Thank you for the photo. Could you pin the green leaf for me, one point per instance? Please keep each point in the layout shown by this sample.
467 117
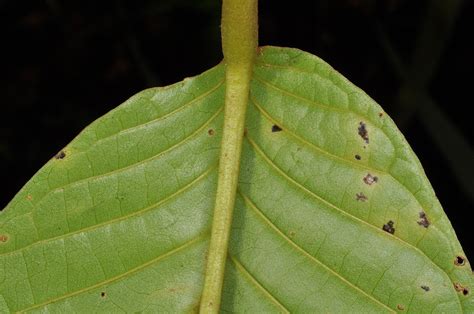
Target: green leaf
333 213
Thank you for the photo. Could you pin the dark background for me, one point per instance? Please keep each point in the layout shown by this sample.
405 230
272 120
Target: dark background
65 63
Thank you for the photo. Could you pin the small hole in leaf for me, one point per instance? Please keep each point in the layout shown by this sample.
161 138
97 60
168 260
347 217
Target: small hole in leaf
459 261
276 128
103 294
358 157
426 288
465 291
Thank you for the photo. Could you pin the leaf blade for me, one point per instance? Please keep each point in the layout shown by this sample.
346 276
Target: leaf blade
311 228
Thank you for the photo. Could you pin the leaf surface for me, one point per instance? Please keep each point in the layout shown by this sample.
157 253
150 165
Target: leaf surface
333 212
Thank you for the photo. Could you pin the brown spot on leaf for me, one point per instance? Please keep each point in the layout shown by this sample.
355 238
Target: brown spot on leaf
103 294
460 288
361 197
400 307
29 197
3 238
426 288
388 227
362 130
276 128
459 260
423 220
358 157
245 131
381 114
370 179
60 155
210 132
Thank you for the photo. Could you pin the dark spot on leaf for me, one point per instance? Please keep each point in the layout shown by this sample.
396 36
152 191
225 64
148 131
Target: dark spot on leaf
3 238
423 220
363 132
291 234
459 261
361 197
400 307
210 132
370 179
276 128
60 155
381 114
426 288
358 157
388 227
103 294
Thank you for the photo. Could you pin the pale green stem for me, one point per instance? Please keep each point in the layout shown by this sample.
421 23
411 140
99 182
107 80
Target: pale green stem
239 44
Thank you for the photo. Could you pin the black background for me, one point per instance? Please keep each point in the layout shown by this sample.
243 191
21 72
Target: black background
66 63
